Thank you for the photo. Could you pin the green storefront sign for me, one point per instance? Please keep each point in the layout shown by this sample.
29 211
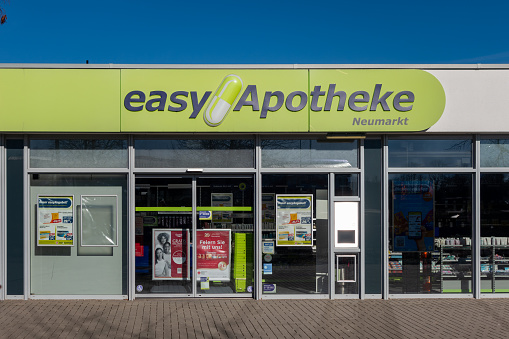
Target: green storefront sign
217 100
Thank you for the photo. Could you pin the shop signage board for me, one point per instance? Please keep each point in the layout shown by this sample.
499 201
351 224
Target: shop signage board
171 260
213 260
55 223
294 220
298 100
219 100
413 216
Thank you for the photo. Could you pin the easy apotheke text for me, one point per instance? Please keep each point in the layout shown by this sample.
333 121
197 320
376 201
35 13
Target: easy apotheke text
358 101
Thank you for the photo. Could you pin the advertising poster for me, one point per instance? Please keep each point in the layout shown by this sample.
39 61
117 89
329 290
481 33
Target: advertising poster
213 254
55 225
171 254
268 207
222 200
294 215
413 216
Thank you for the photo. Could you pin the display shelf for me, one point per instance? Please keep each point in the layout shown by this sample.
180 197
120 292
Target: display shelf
496 267
455 269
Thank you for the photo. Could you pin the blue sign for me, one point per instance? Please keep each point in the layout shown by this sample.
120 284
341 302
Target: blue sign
267 268
269 288
205 215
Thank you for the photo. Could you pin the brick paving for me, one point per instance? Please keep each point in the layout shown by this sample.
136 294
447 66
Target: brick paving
246 318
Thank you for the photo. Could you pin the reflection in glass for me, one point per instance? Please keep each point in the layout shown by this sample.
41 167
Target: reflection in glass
99 220
495 153
296 269
430 232
309 154
346 274
187 153
495 232
346 185
430 153
78 153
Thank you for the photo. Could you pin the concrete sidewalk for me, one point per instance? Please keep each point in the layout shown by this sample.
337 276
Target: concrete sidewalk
230 318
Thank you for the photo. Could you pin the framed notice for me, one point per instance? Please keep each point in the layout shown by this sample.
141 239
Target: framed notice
294 220
171 250
213 258
55 220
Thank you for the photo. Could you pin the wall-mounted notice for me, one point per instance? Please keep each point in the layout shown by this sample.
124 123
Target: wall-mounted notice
294 220
55 224
213 254
222 200
171 254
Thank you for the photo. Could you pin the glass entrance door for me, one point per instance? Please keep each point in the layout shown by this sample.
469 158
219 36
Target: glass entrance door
224 236
194 236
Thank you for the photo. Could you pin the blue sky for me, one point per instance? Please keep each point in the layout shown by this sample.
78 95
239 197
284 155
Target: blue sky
255 32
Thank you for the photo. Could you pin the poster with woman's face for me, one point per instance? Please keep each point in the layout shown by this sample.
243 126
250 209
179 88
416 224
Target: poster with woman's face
170 254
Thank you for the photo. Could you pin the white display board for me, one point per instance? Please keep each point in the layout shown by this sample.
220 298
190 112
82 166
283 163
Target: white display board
346 224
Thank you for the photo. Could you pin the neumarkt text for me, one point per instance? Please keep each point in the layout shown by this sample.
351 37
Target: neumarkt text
377 122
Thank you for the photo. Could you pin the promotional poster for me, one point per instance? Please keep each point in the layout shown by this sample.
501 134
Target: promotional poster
55 226
294 215
413 216
222 200
171 254
213 254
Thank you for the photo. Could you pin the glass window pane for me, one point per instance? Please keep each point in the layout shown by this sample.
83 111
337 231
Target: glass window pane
495 153
346 185
495 232
98 220
78 153
373 225
346 274
430 231
309 154
14 202
290 269
163 235
430 153
187 153
225 237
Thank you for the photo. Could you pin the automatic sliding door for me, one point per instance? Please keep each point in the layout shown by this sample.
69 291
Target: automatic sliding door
163 231
224 236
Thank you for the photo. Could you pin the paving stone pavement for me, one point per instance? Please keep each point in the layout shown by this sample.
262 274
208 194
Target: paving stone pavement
247 318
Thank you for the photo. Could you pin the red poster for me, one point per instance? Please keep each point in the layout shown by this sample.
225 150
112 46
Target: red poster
171 254
180 254
213 254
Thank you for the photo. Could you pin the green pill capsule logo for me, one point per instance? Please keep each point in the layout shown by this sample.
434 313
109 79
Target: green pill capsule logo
223 100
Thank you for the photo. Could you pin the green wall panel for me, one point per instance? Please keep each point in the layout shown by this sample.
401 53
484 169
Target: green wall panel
59 100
